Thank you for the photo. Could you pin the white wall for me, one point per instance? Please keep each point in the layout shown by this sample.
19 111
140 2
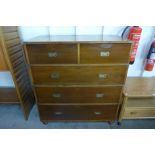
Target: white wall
137 69
28 32
148 33
58 30
6 79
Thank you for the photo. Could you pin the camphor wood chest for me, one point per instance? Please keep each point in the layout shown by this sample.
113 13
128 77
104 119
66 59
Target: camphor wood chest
78 78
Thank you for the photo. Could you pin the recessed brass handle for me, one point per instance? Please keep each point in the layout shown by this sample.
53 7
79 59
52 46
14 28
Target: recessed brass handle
99 95
56 95
97 113
106 46
55 75
102 76
58 113
104 53
52 54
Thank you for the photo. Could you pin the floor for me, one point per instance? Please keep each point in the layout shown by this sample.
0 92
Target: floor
11 117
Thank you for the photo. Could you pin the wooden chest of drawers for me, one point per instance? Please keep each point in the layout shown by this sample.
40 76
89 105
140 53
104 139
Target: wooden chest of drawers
78 78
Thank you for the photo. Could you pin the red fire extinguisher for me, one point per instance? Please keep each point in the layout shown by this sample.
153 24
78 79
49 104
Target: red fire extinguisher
133 34
150 61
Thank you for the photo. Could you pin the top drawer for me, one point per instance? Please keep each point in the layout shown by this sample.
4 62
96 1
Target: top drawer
52 53
100 53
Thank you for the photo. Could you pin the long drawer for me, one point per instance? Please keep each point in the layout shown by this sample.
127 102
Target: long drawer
76 112
78 94
147 102
52 53
99 53
79 74
134 113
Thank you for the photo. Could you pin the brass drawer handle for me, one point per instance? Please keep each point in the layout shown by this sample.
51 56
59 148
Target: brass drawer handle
97 113
52 54
58 113
104 53
99 95
55 76
106 46
56 95
102 76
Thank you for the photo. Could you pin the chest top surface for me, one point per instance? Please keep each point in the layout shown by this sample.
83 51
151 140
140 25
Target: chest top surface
140 87
77 39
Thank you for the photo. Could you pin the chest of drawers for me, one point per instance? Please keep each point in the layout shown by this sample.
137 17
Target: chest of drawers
78 78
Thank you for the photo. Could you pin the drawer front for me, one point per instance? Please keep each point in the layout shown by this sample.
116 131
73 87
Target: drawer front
76 112
131 113
104 53
141 102
52 53
78 94
79 75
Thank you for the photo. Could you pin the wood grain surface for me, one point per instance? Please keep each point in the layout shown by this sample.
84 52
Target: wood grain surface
77 112
78 94
96 53
52 53
140 86
8 95
3 63
79 75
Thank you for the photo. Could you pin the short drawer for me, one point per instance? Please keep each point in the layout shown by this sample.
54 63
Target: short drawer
79 74
76 112
134 113
52 53
78 94
100 53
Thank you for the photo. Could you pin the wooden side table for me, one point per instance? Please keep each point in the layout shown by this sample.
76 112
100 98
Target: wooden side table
138 99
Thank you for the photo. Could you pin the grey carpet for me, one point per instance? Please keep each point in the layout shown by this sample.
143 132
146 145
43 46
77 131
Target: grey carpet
11 117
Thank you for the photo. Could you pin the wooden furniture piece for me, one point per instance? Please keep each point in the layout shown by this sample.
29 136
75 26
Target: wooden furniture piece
13 60
11 97
3 63
138 98
8 95
78 78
